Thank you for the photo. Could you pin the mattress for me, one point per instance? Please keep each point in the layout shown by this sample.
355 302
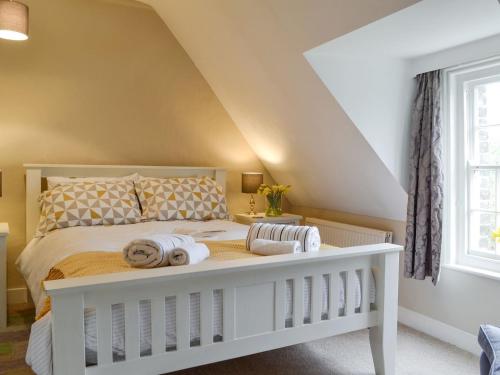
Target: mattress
42 254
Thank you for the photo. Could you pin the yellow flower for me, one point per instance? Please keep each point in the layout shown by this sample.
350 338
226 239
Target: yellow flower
496 234
276 189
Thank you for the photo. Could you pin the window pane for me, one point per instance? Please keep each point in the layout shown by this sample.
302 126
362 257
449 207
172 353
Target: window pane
487 110
483 190
487 145
482 225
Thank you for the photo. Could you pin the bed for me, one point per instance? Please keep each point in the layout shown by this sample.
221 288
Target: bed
161 320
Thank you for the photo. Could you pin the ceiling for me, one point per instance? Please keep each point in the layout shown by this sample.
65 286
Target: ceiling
251 52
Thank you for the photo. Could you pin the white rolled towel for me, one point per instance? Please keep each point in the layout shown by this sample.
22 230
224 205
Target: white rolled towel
270 247
307 236
190 253
152 251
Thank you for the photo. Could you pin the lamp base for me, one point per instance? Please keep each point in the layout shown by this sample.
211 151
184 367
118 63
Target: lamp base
252 206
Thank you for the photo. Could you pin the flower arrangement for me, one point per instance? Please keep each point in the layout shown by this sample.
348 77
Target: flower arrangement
496 235
274 195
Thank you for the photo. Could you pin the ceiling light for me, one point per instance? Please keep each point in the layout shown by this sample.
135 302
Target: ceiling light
13 20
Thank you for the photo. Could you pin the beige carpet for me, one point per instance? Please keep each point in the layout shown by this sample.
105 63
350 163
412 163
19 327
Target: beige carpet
349 354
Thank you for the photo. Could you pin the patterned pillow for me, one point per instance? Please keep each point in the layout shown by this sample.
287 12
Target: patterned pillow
181 198
88 203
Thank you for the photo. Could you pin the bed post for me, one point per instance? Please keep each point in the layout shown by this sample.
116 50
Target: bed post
33 189
383 337
68 335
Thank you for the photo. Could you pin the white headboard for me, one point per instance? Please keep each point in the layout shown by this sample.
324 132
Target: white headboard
36 172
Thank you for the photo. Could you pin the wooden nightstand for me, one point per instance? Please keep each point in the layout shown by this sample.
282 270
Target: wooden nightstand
4 232
289 219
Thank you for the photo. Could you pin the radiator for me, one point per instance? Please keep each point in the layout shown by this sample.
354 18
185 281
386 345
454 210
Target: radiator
345 235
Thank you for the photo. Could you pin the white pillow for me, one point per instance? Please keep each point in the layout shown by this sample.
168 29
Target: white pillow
52 182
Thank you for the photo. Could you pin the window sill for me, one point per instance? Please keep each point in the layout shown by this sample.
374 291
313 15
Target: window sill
473 271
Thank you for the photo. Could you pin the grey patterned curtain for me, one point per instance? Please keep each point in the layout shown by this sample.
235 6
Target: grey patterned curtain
425 194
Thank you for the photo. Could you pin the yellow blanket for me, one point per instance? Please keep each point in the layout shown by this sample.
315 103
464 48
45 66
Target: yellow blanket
93 263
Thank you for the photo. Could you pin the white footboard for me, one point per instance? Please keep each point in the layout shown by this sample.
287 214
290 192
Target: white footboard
253 310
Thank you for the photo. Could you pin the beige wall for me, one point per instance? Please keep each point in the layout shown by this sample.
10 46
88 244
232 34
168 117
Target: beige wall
105 82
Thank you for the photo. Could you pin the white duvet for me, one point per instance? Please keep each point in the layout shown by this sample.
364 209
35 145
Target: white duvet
42 254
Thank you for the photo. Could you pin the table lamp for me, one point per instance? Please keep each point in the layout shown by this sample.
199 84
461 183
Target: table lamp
250 182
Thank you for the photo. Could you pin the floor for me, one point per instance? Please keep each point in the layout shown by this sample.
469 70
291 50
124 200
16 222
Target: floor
418 354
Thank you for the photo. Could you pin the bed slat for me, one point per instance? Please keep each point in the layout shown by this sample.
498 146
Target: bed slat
316 299
207 321
104 334
365 290
158 337
182 321
228 314
279 304
350 292
132 334
298 301
334 295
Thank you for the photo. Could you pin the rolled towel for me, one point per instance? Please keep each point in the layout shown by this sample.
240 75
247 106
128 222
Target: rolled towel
308 237
270 247
190 253
152 251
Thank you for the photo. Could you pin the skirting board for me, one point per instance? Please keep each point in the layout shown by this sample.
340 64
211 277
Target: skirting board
17 295
439 330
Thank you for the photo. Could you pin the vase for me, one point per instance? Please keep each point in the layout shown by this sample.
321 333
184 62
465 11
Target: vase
274 205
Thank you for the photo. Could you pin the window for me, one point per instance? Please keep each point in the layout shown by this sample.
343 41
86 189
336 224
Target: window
472 165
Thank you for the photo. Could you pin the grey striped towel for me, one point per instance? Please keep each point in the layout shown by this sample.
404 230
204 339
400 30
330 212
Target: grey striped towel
308 237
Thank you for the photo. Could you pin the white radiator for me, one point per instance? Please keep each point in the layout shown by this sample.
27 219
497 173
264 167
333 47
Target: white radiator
345 235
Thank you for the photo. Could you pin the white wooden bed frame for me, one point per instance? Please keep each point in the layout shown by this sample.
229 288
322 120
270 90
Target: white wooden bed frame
253 298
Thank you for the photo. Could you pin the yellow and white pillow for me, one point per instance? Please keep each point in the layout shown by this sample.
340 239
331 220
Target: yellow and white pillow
181 198
87 204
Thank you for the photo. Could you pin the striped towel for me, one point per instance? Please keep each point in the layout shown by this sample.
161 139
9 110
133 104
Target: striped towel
307 236
153 251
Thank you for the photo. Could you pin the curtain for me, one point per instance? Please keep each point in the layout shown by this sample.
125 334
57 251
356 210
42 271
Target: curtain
425 195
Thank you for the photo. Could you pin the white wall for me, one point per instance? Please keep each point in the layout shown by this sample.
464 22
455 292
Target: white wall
465 53
376 95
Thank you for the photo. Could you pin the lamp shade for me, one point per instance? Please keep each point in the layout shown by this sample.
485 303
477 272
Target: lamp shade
250 182
14 22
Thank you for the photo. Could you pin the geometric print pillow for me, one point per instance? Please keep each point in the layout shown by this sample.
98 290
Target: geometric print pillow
87 204
181 198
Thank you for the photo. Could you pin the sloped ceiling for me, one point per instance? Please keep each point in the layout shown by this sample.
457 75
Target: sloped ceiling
251 53
395 46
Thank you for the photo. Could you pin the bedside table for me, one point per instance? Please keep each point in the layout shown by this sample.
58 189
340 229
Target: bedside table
288 219
4 232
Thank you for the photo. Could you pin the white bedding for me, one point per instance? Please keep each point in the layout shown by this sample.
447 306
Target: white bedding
42 254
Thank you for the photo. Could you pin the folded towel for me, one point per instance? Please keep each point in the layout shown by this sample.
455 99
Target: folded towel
307 236
190 253
152 251
270 247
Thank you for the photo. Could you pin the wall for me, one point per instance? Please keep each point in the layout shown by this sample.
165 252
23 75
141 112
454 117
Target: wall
105 82
375 96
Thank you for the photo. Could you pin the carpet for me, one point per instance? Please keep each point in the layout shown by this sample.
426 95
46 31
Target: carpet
349 354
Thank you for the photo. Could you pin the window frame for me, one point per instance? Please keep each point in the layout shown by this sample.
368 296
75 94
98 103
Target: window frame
458 131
